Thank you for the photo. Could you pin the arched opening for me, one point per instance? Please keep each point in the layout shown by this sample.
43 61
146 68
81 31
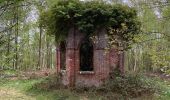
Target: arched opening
86 55
63 55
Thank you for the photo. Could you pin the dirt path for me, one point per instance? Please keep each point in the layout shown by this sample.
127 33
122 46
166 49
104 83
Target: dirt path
12 94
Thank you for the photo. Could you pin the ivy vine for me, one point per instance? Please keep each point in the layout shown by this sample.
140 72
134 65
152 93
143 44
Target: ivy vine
88 16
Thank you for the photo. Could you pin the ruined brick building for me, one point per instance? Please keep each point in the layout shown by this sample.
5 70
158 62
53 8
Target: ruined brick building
84 61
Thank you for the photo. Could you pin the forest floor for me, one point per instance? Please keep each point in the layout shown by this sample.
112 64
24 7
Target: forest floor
22 88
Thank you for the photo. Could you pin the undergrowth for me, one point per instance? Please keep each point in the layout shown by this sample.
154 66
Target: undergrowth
51 82
127 85
118 87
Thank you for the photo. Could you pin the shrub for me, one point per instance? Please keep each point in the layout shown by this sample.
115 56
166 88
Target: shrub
131 85
49 83
127 85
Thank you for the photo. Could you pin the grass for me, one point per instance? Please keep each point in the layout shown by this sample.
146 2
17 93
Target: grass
32 89
165 93
24 89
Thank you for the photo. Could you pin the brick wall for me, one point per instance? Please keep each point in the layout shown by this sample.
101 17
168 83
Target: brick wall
103 62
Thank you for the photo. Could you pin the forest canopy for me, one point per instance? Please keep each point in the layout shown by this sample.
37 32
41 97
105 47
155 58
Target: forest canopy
88 17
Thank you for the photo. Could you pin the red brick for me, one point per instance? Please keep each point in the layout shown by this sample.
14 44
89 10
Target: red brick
103 62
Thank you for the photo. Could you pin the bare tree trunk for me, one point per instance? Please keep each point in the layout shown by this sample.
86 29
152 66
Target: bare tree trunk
43 60
16 37
40 48
8 47
135 59
51 57
47 56
48 53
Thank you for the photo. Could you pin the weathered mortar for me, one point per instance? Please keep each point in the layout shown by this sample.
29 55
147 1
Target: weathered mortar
103 62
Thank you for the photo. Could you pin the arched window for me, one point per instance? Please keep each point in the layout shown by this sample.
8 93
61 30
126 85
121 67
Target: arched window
63 55
86 56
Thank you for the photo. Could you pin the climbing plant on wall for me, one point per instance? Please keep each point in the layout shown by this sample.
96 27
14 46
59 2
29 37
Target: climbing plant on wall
88 16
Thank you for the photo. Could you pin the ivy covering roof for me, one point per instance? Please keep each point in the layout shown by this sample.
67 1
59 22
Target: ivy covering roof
88 17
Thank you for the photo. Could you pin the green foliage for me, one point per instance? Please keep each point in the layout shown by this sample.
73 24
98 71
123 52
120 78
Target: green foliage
88 17
149 20
131 85
36 88
127 86
49 83
19 36
151 52
165 23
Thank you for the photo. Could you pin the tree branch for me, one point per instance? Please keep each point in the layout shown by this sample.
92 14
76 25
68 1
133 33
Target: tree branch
6 29
149 40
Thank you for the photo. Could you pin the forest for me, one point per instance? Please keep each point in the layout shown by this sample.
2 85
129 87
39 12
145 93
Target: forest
29 40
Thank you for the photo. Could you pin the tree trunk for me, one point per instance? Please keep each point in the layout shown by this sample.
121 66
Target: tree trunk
16 37
40 40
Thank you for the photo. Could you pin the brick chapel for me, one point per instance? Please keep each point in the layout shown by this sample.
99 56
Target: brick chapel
83 61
